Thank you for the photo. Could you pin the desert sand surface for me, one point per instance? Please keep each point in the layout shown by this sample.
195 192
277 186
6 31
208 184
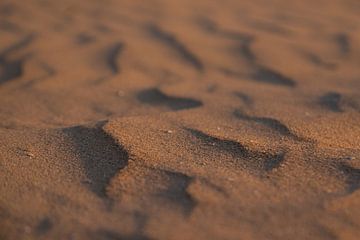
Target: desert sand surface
166 119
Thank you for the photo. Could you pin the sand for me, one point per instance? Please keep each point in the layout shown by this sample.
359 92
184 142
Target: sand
180 119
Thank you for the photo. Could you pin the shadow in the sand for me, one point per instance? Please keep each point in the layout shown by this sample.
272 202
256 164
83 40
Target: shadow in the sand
258 162
155 97
317 61
167 188
112 54
267 75
352 176
331 101
339 103
171 41
12 69
343 42
101 157
44 226
244 50
84 38
8 26
271 123
176 190
246 99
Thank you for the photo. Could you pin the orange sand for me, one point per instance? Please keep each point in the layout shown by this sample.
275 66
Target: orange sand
180 119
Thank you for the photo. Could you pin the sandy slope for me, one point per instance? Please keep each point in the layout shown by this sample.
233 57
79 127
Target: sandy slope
179 119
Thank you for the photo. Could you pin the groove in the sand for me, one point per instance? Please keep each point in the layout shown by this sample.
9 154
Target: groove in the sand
352 176
12 69
168 188
254 161
44 226
244 50
171 41
176 191
246 99
233 147
274 161
101 157
318 61
271 123
343 42
112 55
84 38
8 26
211 27
25 41
267 75
155 97
331 101
271 28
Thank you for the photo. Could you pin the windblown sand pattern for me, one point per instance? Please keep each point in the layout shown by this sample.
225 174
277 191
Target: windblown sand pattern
182 119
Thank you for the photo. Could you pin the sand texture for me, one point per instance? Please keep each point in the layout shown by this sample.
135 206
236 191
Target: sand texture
177 120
